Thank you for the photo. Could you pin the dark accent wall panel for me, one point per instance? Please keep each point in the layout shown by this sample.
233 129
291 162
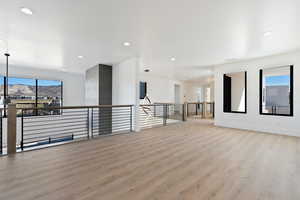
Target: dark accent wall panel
105 85
105 98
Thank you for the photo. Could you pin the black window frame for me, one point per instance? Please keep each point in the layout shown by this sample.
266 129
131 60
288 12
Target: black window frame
291 93
143 85
36 92
246 90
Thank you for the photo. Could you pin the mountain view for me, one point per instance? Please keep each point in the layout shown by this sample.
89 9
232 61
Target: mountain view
28 90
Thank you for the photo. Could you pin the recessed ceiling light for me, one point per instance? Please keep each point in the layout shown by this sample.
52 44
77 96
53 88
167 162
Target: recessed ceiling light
126 44
268 33
26 11
80 57
173 59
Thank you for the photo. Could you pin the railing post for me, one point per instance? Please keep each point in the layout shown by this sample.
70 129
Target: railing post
92 123
88 123
11 129
214 109
183 112
164 114
131 119
203 110
22 131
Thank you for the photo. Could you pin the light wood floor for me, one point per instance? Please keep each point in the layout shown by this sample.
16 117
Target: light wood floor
192 160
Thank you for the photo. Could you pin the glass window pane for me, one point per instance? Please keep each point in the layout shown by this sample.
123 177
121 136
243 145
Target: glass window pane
21 91
276 91
49 95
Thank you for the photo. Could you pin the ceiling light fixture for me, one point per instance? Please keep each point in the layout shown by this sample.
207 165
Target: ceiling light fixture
173 59
268 33
126 44
80 57
26 11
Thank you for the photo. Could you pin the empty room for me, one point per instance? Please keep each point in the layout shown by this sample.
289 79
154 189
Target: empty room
149 100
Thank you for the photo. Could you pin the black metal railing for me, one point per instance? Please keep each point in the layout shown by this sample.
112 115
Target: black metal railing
67 124
210 109
195 108
278 110
111 120
159 114
203 109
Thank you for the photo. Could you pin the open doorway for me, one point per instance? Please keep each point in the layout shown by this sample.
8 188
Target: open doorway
199 98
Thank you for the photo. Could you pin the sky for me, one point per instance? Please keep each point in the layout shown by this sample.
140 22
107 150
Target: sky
277 80
25 81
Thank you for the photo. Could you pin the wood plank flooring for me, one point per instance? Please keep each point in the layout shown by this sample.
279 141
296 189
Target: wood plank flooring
186 161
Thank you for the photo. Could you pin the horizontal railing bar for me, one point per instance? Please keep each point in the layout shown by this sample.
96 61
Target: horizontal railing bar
47 139
61 133
54 116
115 125
109 131
110 112
31 136
112 121
50 120
109 127
76 107
41 124
112 115
112 118
57 129
56 136
53 128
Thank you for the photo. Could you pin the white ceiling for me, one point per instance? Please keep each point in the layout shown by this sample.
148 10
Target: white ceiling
198 33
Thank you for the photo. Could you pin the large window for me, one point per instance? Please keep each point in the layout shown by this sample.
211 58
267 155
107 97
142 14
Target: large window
49 94
30 93
22 92
276 91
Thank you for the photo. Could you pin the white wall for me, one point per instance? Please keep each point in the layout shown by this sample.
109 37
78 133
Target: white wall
253 120
191 90
92 86
161 89
125 82
73 83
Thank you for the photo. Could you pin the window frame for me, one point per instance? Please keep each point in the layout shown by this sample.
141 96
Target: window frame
291 93
36 91
246 91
